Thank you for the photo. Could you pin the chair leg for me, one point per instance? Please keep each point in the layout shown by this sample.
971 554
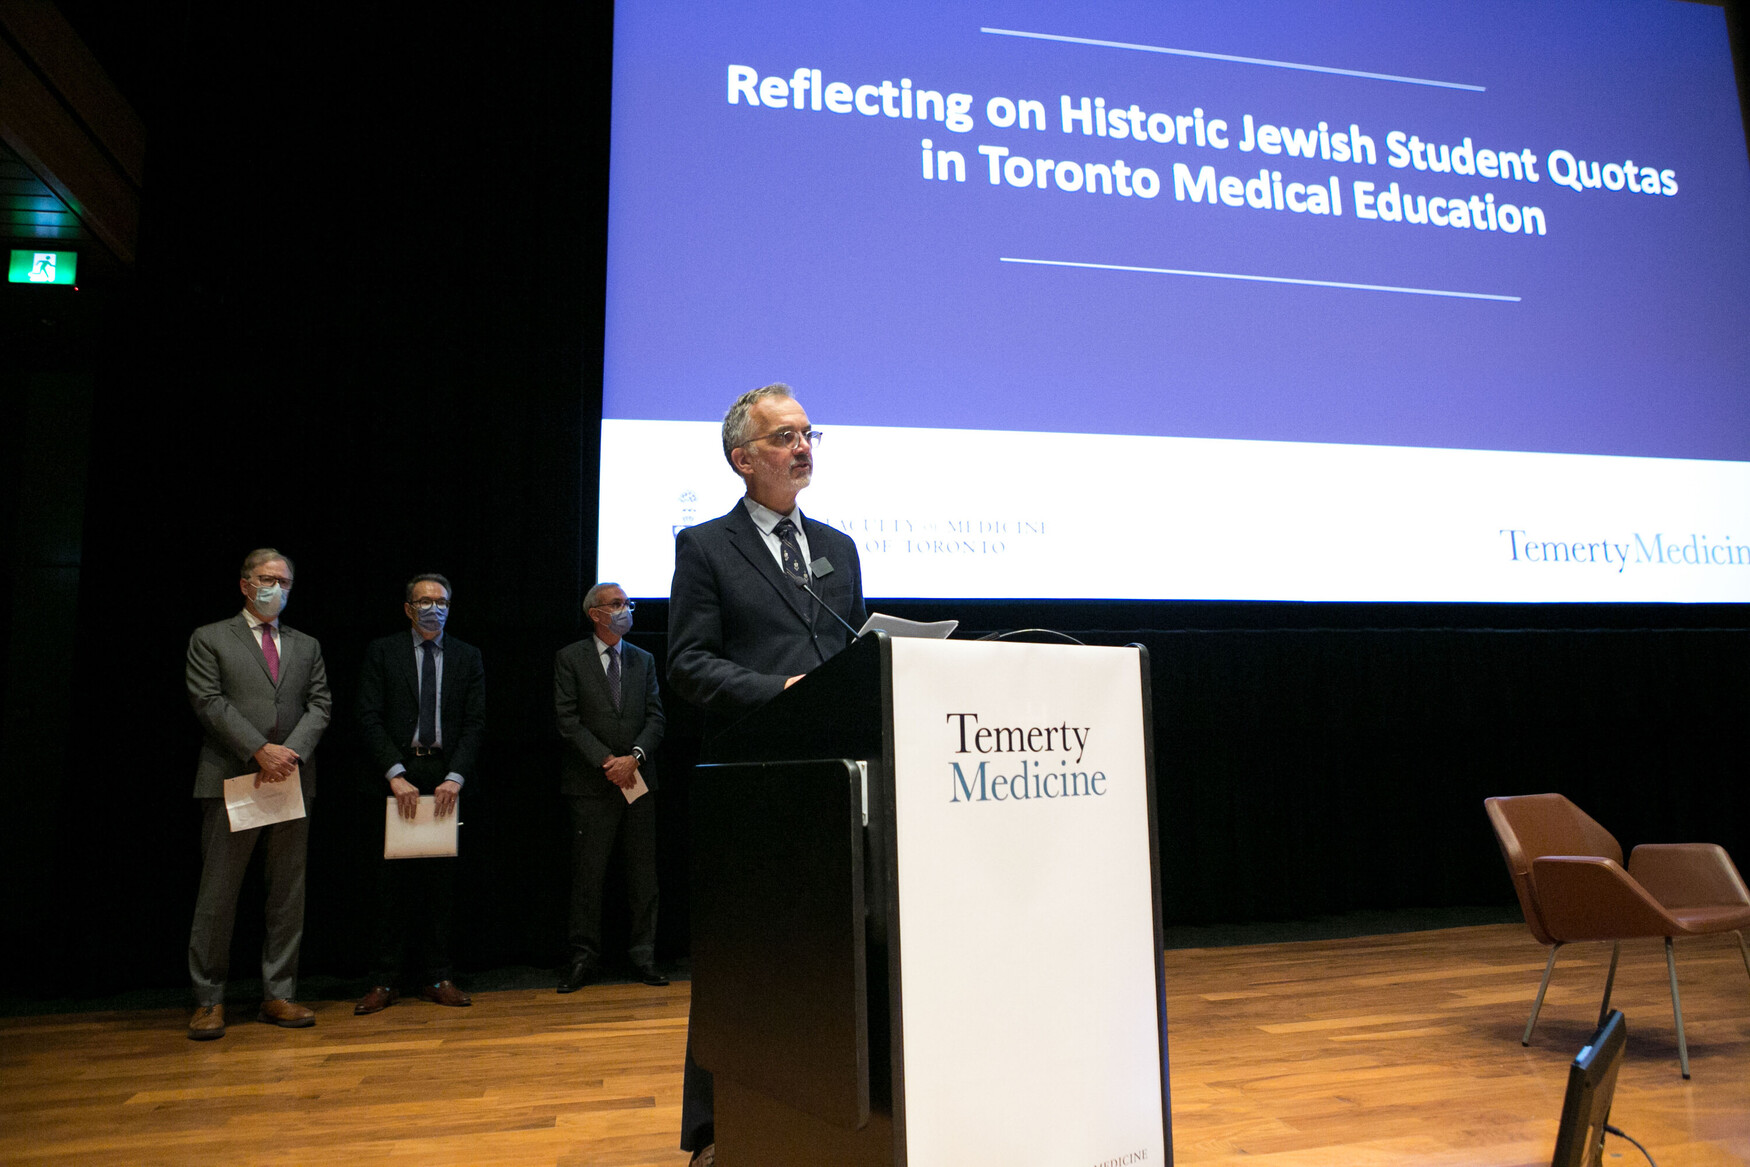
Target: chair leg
1537 1006
1677 1007
1609 982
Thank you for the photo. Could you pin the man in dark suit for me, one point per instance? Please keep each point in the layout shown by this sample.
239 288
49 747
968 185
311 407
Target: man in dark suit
610 715
260 692
422 711
741 627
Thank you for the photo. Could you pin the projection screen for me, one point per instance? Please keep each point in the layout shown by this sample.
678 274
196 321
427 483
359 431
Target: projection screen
1432 300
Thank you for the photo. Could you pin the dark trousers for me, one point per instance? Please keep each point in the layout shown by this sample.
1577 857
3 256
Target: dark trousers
595 824
416 902
698 1101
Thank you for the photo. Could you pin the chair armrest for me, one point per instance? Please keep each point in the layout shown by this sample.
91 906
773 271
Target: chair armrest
1688 875
1584 897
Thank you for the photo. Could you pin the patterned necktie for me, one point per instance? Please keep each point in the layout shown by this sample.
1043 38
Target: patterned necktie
428 683
271 651
790 551
614 675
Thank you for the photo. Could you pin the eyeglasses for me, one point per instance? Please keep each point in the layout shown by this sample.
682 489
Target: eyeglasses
789 438
267 581
428 604
617 605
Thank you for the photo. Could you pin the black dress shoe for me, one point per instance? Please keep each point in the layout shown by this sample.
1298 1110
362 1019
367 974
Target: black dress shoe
583 970
647 973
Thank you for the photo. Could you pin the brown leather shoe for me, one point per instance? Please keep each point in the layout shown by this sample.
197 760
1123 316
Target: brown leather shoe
207 1023
446 993
286 1014
375 1001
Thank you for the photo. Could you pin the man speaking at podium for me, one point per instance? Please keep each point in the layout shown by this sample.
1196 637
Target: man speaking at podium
744 608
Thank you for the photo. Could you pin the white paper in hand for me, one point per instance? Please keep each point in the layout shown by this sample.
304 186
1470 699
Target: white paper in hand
637 790
424 836
249 806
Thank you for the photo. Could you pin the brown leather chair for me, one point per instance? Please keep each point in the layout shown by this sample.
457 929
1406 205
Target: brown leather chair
1572 886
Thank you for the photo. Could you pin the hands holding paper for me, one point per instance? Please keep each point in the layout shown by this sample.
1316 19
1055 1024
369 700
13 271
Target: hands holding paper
277 763
621 770
407 797
446 796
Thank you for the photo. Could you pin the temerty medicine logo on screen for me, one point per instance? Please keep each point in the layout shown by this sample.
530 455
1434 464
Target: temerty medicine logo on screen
1004 762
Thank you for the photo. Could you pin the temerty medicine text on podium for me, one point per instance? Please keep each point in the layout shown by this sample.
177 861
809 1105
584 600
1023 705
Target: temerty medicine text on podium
1035 861
1033 778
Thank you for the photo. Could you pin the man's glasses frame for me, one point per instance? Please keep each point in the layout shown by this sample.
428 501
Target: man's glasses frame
790 438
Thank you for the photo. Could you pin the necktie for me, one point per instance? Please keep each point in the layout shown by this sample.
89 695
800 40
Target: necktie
428 695
614 675
271 651
790 551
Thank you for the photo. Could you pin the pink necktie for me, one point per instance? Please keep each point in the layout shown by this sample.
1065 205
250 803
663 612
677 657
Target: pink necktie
271 651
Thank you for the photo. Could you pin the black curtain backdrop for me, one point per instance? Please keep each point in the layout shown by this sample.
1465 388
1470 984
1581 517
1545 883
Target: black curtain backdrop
365 328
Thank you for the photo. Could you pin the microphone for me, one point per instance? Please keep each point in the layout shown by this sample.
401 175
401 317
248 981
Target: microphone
820 569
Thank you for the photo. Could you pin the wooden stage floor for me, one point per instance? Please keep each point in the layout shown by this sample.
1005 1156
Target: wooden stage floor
1377 1050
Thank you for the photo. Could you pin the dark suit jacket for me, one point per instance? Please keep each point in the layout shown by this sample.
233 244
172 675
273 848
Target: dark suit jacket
738 628
388 702
241 708
592 727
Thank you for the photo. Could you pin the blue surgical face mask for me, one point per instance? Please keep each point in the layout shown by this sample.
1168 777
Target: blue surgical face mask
431 619
270 601
620 621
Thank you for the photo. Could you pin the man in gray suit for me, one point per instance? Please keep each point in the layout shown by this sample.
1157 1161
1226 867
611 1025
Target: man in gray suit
260 692
610 715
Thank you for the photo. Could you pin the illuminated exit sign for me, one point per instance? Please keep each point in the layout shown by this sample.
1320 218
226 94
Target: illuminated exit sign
43 267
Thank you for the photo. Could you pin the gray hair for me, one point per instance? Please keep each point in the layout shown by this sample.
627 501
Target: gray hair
263 555
735 421
427 577
592 598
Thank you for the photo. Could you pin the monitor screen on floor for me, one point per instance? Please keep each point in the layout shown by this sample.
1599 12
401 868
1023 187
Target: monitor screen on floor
1591 1085
1382 301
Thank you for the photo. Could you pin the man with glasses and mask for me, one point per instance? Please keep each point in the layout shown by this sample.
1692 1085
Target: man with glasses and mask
742 625
610 714
260 692
422 712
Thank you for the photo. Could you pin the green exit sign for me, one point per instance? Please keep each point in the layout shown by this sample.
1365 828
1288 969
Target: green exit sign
43 267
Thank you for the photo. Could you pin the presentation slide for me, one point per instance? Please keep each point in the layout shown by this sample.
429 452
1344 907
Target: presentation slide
1391 300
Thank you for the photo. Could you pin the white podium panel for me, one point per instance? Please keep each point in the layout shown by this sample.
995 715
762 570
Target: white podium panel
1031 1023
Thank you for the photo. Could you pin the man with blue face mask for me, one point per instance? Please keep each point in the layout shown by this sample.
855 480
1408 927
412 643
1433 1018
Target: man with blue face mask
260 692
422 713
610 715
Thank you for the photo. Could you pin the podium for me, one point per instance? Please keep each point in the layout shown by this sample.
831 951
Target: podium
926 919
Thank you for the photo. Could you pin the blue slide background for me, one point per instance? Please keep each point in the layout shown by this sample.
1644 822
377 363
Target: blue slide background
753 244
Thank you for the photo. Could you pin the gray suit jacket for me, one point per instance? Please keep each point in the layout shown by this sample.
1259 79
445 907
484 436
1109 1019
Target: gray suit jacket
240 707
591 725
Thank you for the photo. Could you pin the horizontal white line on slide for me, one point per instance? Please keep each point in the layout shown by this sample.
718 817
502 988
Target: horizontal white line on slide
1305 68
1228 275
